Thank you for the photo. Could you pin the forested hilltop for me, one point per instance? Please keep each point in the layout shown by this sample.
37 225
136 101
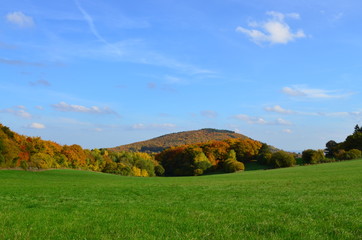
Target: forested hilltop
161 143
228 155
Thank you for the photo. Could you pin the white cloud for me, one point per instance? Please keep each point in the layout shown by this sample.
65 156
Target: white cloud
300 91
209 114
280 121
19 111
261 121
20 19
37 125
65 107
275 30
278 109
251 120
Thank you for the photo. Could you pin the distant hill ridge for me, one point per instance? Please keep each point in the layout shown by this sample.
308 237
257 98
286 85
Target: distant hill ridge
180 138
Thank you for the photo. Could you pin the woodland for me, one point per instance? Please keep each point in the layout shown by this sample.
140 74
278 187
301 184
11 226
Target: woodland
197 158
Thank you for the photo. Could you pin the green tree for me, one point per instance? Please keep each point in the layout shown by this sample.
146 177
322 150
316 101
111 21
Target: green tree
264 155
231 164
331 148
353 141
159 170
311 156
282 159
357 129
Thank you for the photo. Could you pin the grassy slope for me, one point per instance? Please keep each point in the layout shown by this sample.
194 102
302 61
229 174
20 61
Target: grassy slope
313 202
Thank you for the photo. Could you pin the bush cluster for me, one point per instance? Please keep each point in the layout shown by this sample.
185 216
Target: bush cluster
348 155
282 159
233 165
310 156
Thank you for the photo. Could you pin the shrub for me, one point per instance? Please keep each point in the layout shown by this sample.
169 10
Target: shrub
348 155
41 161
282 159
24 165
310 156
328 160
233 166
354 154
264 158
198 172
159 170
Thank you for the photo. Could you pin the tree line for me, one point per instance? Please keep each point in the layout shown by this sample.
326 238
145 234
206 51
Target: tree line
34 153
349 149
192 159
230 155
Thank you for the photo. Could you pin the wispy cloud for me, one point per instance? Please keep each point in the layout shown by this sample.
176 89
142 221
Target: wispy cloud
94 30
65 107
250 120
209 114
4 45
20 62
137 51
278 109
300 91
261 121
174 80
275 30
133 50
19 111
36 125
20 19
151 85
40 82
287 131
156 126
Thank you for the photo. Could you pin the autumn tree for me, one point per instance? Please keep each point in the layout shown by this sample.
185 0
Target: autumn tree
245 149
215 151
231 164
41 161
184 161
75 155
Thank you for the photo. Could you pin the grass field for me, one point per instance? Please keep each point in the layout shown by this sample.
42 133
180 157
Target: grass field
311 202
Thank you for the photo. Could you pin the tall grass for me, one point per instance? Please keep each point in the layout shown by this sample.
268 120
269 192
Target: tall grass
311 202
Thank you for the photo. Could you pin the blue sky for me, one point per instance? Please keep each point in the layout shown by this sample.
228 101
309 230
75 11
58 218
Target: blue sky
106 73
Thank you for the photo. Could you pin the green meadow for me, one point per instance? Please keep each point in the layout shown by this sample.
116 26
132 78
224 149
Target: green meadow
310 202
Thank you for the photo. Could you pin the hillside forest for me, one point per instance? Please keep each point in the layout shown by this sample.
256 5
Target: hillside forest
228 155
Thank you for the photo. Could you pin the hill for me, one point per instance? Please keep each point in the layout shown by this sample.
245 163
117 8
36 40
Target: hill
312 202
177 139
